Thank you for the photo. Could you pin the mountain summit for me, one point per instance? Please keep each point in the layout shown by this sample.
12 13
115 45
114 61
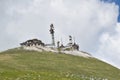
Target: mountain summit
35 60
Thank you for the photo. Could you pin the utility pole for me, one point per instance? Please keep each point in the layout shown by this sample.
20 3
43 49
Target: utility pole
52 34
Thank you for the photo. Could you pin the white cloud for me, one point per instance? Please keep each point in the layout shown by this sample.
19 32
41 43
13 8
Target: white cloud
109 49
87 20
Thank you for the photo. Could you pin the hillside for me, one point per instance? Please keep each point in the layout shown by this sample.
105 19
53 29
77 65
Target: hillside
18 64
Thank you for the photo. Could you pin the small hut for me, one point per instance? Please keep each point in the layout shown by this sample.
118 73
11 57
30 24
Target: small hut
32 42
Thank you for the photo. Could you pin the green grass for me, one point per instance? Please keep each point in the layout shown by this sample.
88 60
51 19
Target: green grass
31 65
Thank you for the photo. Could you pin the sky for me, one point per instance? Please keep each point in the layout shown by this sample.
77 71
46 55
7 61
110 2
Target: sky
117 2
95 24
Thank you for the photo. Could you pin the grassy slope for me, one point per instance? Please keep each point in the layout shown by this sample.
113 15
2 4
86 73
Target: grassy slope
31 65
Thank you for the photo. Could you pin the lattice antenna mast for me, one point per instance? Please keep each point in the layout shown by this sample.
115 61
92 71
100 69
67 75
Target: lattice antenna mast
70 39
52 34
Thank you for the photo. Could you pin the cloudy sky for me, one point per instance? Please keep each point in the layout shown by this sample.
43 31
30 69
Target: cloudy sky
94 24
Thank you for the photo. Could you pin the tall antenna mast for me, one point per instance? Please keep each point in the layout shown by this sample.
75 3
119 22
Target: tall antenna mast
52 34
70 39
